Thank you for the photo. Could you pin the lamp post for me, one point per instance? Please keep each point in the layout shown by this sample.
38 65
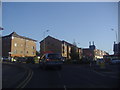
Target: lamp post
1 43
1 31
44 38
116 40
115 34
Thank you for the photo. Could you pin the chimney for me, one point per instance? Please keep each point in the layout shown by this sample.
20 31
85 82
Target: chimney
114 42
93 42
89 43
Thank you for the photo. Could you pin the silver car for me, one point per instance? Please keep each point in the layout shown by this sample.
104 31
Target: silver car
51 60
114 61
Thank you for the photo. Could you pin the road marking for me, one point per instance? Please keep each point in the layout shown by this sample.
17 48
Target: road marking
31 74
114 77
65 87
25 82
98 73
106 75
59 74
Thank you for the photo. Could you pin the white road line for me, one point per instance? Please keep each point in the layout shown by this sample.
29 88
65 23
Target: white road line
64 87
106 75
98 73
59 74
114 77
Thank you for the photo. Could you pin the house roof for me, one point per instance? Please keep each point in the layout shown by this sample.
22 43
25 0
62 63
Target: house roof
50 37
16 35
68 43
58 40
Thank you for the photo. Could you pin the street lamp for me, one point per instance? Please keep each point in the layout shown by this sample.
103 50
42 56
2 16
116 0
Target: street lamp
1 43
44 38
116 40
115 34
1 28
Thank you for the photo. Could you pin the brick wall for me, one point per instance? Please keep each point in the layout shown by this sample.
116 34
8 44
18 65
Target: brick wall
18 47
51 44
6 46
22 47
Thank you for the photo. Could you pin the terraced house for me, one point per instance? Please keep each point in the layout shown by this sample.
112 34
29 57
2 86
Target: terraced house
14 45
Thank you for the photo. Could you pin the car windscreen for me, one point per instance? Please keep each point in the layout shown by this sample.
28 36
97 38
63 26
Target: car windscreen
54 56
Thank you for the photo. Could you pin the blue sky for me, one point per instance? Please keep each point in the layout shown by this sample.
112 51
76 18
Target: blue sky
69 21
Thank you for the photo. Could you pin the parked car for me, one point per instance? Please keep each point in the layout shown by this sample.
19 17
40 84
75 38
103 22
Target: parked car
6 59
51 60
21 59
30 60
114 61
100 61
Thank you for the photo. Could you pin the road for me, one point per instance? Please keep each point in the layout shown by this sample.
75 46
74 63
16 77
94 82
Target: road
72 76
12 75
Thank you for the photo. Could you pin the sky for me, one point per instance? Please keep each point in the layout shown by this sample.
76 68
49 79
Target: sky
81 22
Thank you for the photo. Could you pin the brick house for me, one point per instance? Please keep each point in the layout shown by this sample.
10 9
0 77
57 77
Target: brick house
92 53
14 45
50 44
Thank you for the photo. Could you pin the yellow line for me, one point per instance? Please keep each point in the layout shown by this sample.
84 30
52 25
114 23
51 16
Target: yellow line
25 82
28 79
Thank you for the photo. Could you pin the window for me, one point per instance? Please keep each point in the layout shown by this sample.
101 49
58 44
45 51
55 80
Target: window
32 53
27 51
33 47
12 37
15 51
21 52
15 44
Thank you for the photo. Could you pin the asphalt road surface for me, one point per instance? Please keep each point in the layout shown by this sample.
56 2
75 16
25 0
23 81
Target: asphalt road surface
12 75
71 76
